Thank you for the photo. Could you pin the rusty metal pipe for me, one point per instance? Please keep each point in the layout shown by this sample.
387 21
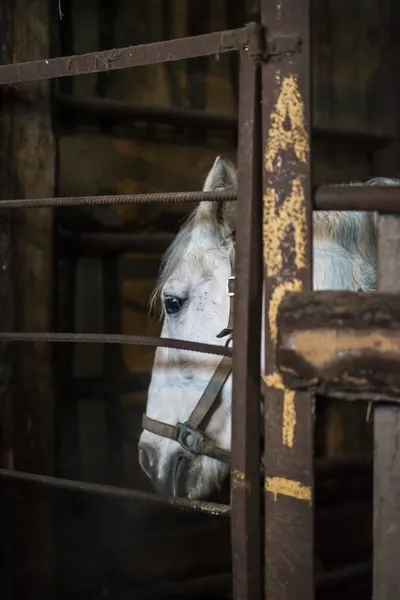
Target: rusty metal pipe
108 338
109 492
246 396
330 197
122 58
167 198
384 199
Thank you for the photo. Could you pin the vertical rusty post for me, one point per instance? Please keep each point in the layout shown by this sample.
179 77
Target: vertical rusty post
387 440
246 399
386 574
289 417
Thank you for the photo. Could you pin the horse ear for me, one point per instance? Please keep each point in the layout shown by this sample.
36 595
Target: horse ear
223 178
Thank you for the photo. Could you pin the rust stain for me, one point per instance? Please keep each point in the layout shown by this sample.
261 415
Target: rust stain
288 107
276 222
288 487
238 479
336 344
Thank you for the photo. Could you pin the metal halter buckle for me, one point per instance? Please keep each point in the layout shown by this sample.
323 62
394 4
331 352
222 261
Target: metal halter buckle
190 439
229 285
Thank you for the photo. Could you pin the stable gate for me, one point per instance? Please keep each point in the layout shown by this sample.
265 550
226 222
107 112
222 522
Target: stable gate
275 182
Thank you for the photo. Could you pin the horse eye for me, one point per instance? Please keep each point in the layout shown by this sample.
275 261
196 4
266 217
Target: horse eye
173 304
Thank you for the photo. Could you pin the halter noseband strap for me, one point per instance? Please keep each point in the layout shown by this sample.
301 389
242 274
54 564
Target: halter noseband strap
189 434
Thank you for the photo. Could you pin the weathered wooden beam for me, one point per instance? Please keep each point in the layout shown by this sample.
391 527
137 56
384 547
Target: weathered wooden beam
33 155
341 344
6 309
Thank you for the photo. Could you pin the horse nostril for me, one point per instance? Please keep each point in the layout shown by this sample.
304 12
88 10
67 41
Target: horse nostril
146 459
179 475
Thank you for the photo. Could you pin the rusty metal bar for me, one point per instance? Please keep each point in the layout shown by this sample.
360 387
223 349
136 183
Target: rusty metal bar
385 199
208 44
246 397
108 338
289 417
113 493
167 198
387 437
329 197
359 358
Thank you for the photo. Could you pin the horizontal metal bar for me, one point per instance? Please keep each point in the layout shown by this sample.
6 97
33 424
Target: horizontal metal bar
119 111
341 344
385 199
167 198
108 338
114 493
327 197
124 58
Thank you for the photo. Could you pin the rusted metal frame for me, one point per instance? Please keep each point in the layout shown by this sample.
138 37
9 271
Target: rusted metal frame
289 417
123 58
108 338
166 198
386 419
112 492
387 440
359 358
246 397
385 199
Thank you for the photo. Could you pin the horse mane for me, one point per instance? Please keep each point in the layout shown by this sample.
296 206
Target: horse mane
358 225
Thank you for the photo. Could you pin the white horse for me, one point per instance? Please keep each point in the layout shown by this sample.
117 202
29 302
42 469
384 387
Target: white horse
192 289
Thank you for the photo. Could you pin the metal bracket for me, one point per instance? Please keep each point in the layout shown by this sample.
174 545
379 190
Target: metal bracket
282 46
190 439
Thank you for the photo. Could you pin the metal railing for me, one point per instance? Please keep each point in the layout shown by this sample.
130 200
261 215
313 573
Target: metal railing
274 198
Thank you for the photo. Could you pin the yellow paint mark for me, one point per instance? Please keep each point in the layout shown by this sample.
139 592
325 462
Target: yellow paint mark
289 418
288 107
295 285
238 480
274 380
276 223
288 487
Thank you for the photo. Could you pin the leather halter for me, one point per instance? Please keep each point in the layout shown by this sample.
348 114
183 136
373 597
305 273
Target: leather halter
191 435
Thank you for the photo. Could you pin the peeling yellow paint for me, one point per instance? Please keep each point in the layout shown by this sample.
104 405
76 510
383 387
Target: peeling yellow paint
289 418
294 285
276 223
288 487
274 380
287 131
289 106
